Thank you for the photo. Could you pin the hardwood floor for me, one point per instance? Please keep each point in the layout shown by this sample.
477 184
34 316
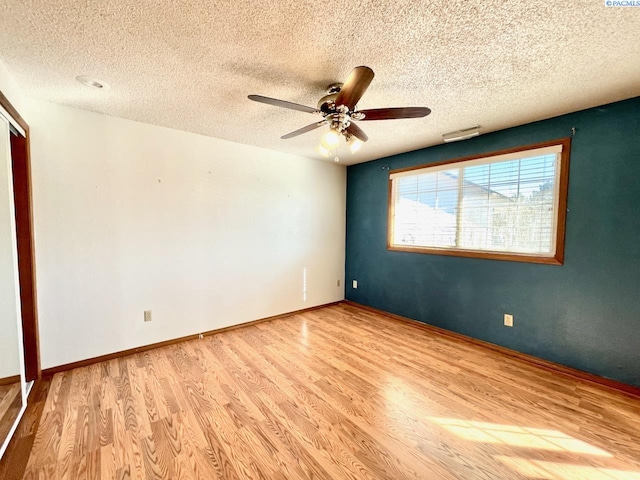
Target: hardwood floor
14 461
335 393
10 405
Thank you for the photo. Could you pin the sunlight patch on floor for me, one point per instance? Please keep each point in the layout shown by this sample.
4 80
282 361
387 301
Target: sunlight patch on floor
540 469
517 436
401 394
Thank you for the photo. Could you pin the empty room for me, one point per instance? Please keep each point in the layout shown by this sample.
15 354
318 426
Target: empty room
320 240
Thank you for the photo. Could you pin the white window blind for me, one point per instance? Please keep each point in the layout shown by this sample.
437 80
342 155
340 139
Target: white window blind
505 203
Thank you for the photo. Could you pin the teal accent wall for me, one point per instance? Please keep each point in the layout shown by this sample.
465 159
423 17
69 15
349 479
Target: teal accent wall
584 314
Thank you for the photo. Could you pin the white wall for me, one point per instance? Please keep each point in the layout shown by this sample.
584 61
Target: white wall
10 89
206 233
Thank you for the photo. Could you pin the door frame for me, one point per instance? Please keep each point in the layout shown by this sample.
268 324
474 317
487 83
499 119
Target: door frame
21 163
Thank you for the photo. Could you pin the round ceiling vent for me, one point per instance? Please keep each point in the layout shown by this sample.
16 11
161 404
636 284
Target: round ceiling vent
92 82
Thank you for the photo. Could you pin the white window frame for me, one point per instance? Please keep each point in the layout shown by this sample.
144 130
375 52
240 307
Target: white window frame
555 257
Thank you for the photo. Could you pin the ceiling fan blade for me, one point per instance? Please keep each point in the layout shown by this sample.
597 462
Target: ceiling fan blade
357 132
355 86
302 130
282 103
394 113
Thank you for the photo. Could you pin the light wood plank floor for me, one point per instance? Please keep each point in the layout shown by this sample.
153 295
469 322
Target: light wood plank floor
10 405
335 393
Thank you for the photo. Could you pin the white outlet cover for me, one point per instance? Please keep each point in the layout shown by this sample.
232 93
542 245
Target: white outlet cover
508 320
355 284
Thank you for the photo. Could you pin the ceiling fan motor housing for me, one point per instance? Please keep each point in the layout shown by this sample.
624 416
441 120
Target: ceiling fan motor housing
327 104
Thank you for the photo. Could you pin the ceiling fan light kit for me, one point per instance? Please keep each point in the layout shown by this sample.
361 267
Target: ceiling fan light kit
338 109
325 152
354 144
330 139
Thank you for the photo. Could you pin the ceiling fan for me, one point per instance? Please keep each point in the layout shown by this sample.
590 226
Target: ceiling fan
338 109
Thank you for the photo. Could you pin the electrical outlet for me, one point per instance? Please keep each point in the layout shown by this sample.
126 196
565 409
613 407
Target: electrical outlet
508 320
338 283
147 316
355 284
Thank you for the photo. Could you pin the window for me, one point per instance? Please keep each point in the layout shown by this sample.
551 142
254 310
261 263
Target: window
508 205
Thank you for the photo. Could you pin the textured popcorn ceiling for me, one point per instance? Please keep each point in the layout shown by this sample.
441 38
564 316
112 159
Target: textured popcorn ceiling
189 65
